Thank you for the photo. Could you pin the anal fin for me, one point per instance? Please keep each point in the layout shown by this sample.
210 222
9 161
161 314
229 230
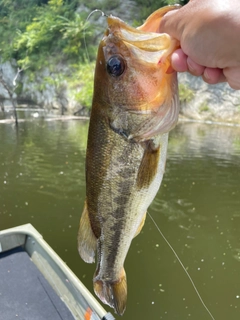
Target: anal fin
87 242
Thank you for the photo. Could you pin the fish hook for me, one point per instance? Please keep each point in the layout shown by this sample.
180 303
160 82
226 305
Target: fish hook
84 30
97 10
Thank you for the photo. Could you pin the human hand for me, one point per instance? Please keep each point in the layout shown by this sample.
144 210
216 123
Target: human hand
207 32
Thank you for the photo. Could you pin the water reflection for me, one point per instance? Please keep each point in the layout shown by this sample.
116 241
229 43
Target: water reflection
197 209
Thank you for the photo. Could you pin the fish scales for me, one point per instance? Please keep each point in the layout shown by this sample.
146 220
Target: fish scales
135 105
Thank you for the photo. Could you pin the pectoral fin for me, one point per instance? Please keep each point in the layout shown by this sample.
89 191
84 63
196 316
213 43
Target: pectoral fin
149 164
87 242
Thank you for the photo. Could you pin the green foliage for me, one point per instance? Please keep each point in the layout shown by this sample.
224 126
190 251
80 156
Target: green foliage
104 5
185 93
14 15
82 84
53 30
47 34
51 33
204 107
146 7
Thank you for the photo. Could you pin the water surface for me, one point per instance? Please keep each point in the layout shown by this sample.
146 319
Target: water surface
197 209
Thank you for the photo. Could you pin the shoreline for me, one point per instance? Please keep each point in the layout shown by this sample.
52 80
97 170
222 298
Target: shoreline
181 120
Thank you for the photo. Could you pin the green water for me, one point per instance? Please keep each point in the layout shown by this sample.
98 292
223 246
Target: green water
197 209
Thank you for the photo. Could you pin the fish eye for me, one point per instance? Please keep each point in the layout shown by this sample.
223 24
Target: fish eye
115 66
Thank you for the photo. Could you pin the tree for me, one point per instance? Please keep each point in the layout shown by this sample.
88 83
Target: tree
10 90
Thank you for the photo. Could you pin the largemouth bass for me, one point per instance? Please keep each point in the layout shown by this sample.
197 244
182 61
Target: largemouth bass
135 105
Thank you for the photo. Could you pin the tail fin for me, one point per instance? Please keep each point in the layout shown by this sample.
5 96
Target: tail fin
113 293
87 242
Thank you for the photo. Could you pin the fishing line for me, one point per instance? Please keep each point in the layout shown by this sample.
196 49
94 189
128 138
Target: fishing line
84 30
188 275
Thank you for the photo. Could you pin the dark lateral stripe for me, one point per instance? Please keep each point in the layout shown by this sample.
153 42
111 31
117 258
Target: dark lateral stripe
116 234
149 166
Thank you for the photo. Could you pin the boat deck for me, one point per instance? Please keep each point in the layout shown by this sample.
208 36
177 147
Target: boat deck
24 293
36 284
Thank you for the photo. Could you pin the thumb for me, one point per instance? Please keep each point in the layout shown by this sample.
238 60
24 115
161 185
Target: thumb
169 24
